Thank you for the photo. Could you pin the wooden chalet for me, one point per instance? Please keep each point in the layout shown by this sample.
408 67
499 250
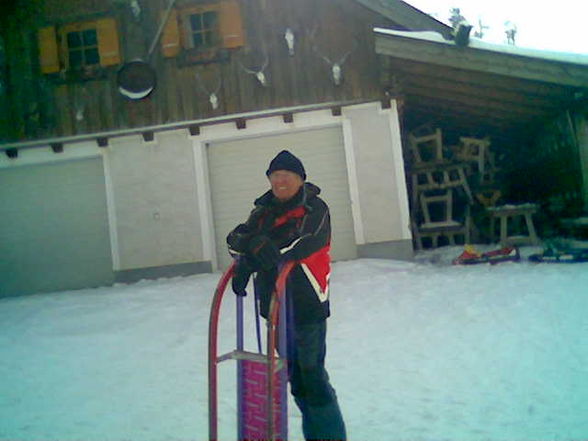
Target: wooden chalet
65 55
135 133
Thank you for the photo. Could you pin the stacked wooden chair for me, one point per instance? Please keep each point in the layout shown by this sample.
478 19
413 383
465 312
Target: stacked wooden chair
434 179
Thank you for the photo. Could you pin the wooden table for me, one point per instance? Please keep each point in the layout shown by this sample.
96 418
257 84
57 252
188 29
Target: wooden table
514 213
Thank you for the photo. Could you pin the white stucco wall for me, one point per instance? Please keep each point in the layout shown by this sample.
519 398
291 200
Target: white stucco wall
379 172
153 201
158 192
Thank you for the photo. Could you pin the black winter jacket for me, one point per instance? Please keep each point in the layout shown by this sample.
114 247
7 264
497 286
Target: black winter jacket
301 229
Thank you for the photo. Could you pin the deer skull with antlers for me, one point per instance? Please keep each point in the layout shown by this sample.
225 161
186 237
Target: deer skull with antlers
80 104
212 96
337 66
136 9
259 74
289 36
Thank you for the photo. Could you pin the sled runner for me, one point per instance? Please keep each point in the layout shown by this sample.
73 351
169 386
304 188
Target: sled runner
261 378
568 255
471 257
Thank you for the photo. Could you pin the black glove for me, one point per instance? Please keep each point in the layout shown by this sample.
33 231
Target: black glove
238 239
264 252
241 277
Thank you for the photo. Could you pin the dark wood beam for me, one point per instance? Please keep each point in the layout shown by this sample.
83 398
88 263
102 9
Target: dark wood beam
479 123
500 95
57 147
472 101
463 126
493 81
241 123
462 112
476 126
477 60
148 136
194 130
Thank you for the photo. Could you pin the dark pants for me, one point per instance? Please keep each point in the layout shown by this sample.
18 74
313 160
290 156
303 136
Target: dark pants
309 383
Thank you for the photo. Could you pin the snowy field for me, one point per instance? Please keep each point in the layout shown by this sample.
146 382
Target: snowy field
417 351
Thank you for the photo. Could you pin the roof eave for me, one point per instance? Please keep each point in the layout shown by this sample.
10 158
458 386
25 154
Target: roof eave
406 15
517 66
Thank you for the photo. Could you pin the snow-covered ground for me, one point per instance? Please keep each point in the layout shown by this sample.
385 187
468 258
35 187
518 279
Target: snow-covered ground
417 351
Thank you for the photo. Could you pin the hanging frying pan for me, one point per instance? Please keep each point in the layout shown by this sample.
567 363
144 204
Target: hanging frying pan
136 79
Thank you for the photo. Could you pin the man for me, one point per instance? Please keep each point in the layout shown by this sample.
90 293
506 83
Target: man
290 222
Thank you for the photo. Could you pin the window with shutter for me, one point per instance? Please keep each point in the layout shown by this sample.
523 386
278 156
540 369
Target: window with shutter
80 48
48 50
200 28
205 29
231 28
170 38
108 45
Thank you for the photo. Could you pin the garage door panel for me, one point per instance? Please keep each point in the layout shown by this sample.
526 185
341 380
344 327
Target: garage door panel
237 176
55 233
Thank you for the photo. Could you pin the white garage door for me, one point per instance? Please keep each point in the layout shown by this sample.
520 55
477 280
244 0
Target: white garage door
54 233
237 177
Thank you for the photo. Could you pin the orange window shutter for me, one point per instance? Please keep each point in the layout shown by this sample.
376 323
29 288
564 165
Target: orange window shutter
48 50
170 37
231 24
108 44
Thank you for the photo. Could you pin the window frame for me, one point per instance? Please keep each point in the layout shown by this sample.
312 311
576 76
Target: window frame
187 31
78 27
211 33
178 40
55 52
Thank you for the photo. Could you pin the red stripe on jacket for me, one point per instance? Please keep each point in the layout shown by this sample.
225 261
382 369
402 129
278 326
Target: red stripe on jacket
297 212
319 264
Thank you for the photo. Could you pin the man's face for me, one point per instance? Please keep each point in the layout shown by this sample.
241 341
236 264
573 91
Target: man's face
285 184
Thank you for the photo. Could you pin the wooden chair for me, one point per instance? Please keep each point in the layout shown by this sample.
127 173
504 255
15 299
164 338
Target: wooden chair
437 213
439 177
477 151
426 148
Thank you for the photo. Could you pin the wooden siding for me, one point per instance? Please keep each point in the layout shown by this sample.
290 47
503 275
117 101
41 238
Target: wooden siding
52 105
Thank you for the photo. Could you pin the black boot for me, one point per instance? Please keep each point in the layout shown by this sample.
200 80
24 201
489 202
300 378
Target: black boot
322 423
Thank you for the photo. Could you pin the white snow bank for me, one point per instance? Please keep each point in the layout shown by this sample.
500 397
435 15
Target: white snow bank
477 43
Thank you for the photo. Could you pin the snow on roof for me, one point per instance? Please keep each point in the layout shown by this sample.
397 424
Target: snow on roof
477 43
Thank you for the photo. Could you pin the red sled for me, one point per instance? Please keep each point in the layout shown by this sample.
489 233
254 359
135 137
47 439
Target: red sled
262 379
471 257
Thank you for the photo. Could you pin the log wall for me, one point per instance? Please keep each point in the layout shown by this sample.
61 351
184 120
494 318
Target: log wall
42 106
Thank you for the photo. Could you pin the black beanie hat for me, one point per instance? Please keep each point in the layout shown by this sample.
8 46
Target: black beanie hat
286 161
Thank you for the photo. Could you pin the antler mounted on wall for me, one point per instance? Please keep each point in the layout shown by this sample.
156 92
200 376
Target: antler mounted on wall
212 96
80 103
290 39
336 67
136 9
259 74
